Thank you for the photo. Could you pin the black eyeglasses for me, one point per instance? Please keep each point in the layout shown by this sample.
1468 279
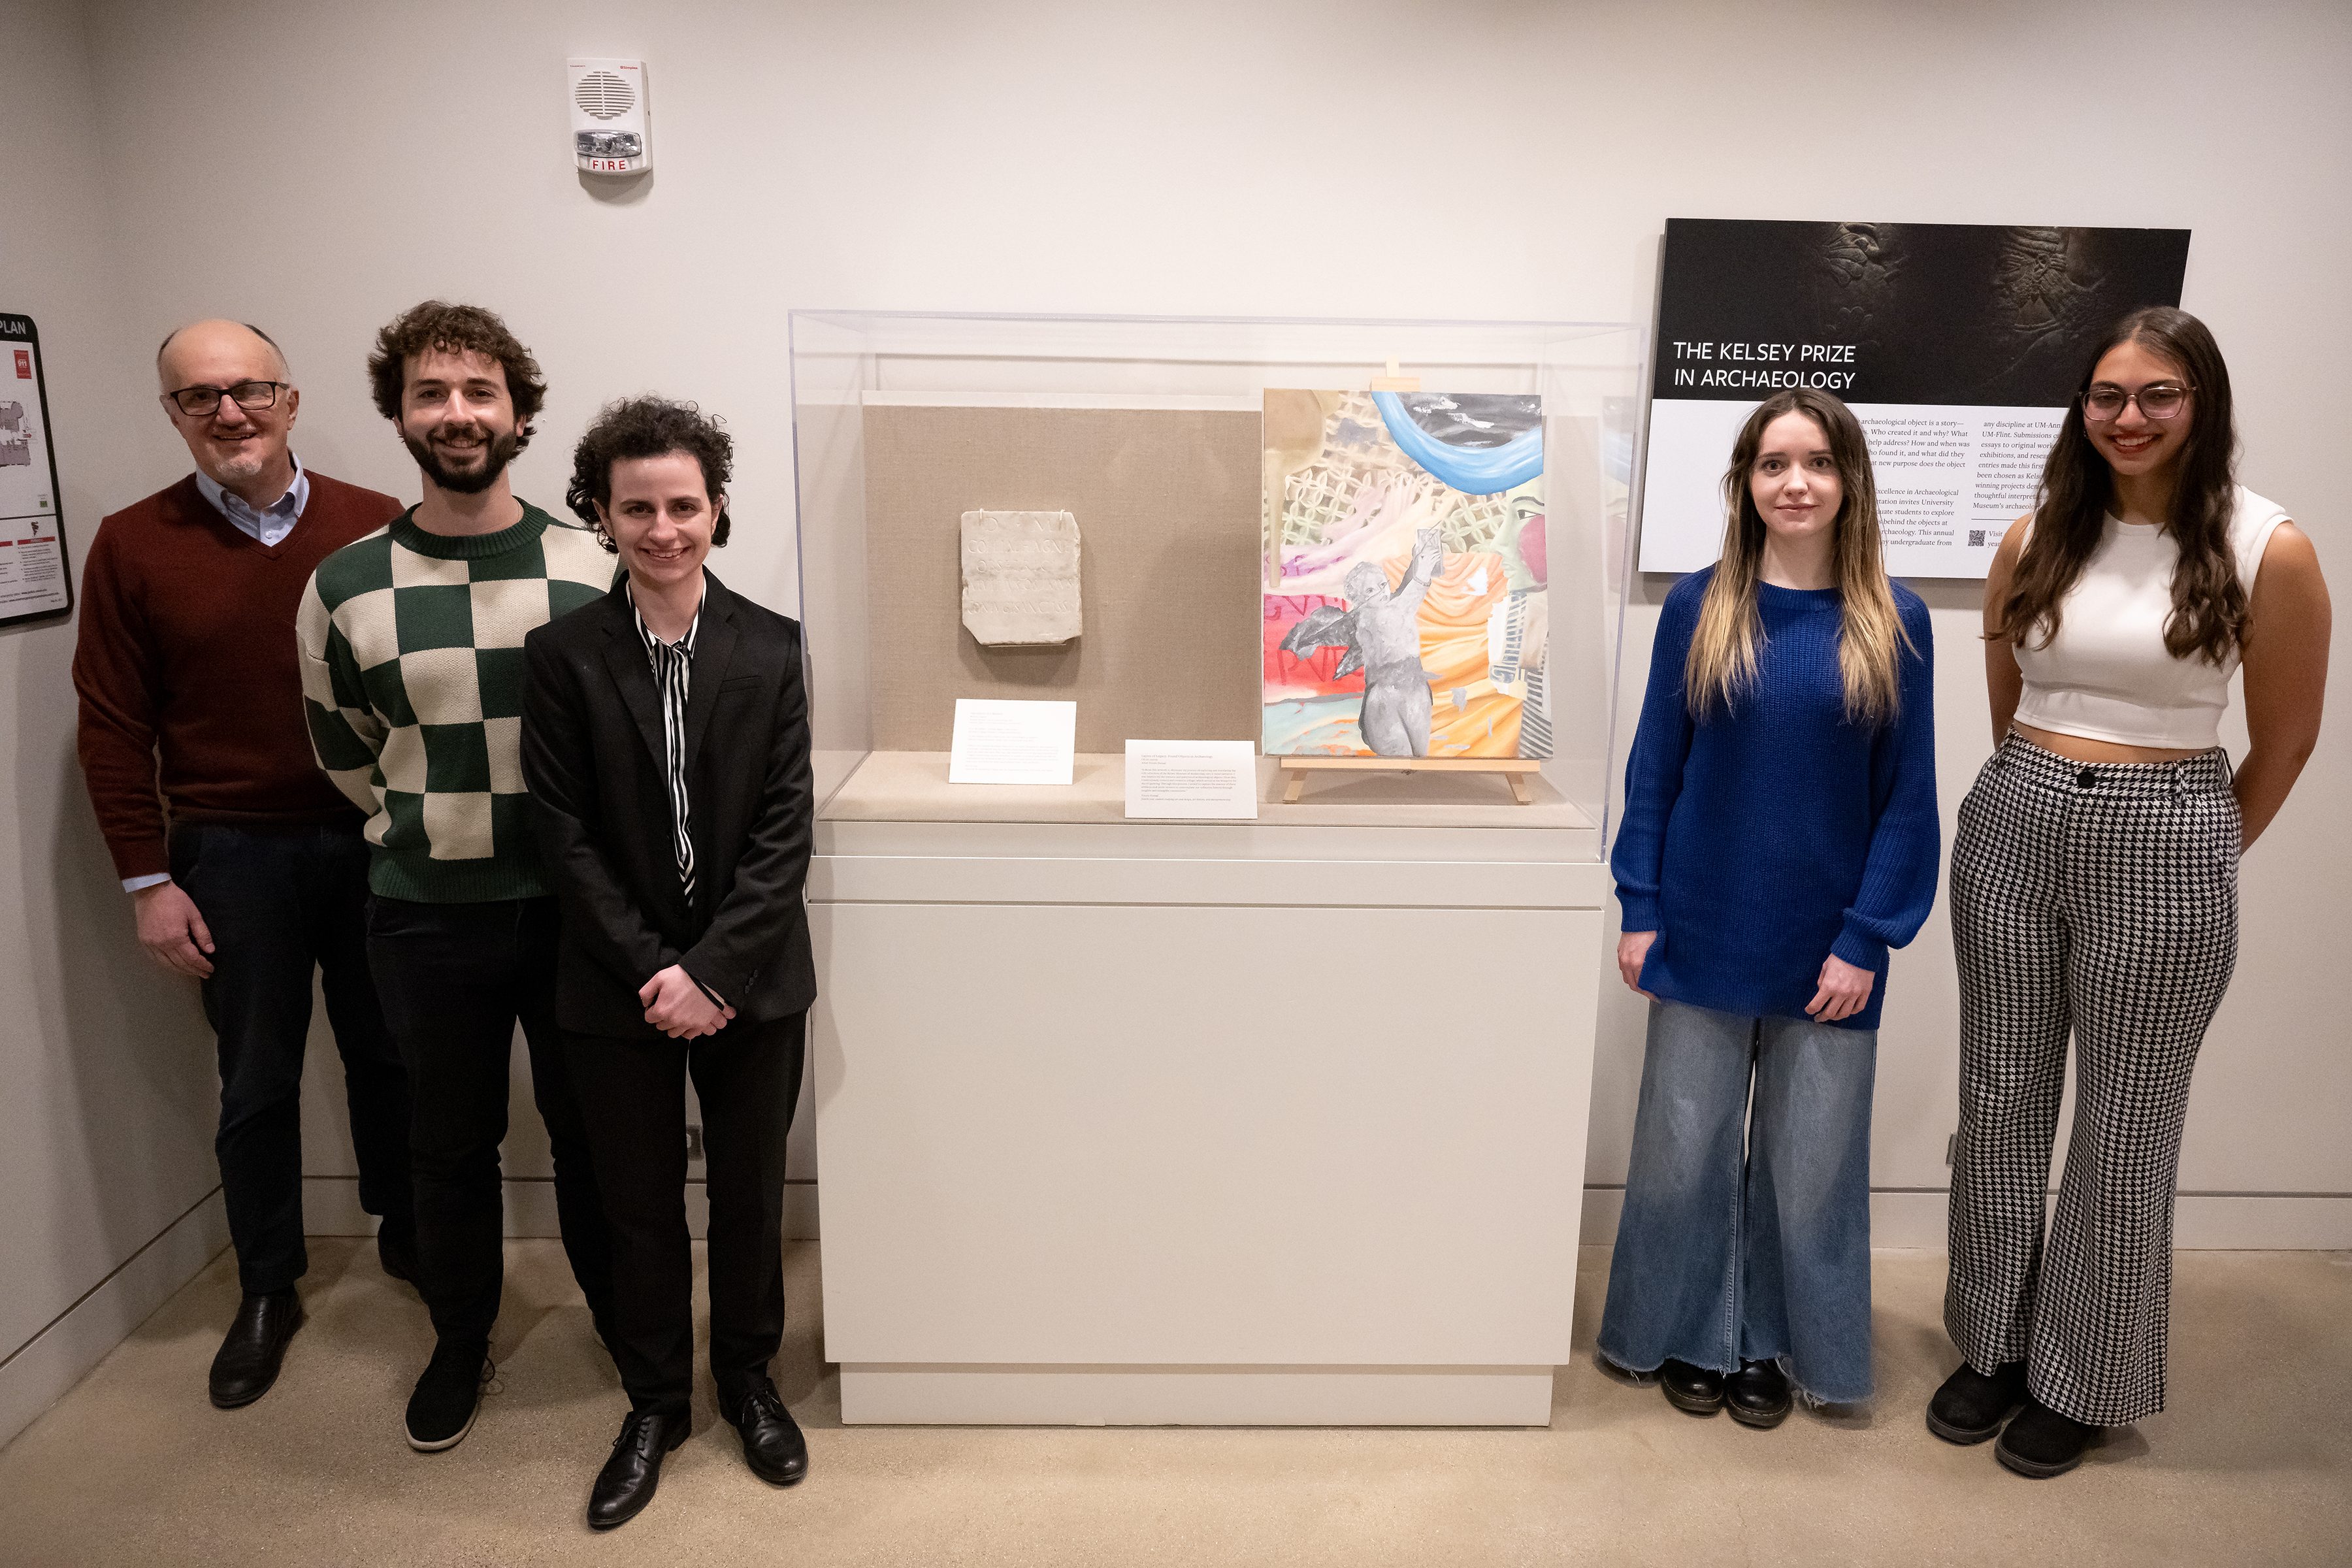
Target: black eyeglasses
2162 400
251 395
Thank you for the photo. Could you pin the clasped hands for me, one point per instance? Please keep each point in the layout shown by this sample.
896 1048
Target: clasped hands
676 1007
1842 990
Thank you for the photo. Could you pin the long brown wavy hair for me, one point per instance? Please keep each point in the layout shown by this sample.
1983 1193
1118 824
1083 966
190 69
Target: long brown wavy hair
1723 646
2208 604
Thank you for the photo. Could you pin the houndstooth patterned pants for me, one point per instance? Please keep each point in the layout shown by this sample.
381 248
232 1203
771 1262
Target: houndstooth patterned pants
2102 901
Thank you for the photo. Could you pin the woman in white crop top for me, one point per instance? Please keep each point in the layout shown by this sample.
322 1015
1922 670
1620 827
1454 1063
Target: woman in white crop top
2095 877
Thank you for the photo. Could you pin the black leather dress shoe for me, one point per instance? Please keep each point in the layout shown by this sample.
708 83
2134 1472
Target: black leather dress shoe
773 1444
1970 1406
1757 1394
626 1482
250 1356
2041 1443
1696 1389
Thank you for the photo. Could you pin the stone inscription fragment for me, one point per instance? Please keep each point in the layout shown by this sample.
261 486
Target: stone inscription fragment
1020 578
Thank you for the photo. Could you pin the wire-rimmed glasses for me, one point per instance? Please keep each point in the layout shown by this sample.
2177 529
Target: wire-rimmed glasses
201 402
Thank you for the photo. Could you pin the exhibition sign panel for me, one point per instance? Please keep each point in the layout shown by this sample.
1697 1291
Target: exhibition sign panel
1958 346
35 580
1404 576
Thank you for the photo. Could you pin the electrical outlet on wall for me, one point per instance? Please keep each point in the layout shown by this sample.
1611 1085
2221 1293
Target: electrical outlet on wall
694 1143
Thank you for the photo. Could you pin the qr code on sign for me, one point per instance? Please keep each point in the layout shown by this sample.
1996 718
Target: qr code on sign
1976 537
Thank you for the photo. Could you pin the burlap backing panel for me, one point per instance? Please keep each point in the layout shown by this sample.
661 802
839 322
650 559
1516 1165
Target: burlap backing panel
1168 508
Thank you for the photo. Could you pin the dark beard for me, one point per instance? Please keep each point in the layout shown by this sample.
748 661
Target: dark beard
500 452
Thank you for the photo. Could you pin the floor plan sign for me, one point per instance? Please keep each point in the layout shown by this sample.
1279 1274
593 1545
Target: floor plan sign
1404 574
32 569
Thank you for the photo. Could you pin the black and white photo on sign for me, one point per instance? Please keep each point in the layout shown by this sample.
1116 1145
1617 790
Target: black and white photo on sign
34 577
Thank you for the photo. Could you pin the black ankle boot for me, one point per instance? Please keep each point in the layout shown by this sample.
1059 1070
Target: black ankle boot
254 1347
1694 1389
2041 1443
1970 1406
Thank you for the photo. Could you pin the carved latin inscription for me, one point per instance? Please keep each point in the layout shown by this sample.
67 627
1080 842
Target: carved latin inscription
1020 578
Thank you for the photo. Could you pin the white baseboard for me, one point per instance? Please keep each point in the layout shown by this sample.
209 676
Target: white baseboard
992 1395
2202 1222
331 1206
42 1368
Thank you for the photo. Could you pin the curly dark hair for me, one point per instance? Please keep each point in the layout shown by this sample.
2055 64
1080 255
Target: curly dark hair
455 329
647 428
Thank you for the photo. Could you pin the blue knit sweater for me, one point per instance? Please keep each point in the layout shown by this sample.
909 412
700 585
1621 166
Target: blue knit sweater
1759 841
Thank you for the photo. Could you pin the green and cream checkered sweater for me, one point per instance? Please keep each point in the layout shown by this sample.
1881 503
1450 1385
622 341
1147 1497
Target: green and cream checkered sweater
412 679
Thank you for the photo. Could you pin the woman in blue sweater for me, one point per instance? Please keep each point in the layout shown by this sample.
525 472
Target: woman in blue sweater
1779 835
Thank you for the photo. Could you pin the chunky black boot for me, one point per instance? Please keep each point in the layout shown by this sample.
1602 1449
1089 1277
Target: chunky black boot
1757 1394
1696 1390
1970 1406
2041 1443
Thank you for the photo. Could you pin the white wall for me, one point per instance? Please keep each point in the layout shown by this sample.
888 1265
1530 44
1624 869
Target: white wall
1468 160
107 1183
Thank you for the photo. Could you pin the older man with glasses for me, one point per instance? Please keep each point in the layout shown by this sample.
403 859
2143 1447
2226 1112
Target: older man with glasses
244 862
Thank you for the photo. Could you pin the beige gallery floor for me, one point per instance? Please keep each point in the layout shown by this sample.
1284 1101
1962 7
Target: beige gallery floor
2253 1464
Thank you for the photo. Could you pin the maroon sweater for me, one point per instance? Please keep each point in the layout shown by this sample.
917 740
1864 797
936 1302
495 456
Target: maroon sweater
187 651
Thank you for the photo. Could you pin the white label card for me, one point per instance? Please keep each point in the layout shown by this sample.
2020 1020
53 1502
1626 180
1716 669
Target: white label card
1203 779
1013 742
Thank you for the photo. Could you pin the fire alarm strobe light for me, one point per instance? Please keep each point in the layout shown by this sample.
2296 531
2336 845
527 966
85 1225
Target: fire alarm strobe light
611 125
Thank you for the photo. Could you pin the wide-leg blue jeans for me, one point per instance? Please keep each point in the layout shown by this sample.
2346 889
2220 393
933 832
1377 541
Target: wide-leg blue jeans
1746 1235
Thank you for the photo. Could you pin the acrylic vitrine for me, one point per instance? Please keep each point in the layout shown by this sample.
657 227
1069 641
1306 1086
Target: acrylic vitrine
1275 1121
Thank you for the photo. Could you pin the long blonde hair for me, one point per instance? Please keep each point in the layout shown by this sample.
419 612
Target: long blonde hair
1723 651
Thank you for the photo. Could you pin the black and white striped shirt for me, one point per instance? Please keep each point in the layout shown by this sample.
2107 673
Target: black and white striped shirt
673 667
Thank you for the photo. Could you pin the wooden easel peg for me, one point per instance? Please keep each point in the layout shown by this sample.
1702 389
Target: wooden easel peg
1396 380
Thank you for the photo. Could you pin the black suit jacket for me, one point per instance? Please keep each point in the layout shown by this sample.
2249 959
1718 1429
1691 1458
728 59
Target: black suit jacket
592 753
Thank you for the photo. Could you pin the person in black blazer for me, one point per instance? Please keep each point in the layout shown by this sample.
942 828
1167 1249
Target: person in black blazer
665 744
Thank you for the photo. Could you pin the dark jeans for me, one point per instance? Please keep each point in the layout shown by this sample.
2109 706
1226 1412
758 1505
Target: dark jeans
456 980
280 901
634 1094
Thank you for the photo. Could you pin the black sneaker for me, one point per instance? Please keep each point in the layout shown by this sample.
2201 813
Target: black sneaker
1970 1406
2041 1443
441 1412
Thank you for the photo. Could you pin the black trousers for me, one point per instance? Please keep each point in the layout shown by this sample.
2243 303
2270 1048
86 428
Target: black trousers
633 1095
280 903
456 979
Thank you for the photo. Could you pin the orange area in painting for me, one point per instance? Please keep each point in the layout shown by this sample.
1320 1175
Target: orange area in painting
1453 650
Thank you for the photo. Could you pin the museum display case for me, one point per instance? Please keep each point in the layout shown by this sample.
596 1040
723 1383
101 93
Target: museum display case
1277 1120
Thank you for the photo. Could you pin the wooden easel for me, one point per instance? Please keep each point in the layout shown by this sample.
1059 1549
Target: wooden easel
1515 769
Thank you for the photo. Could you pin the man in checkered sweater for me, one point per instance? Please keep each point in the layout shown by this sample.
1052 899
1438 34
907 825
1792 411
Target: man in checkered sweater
413 676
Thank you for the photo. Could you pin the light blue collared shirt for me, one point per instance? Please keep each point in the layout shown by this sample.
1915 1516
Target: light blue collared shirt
269 524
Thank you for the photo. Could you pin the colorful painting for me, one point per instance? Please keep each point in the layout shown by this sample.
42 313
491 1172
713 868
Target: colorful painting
1404 576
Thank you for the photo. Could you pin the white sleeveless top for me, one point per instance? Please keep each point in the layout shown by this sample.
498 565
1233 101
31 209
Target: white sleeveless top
2106 675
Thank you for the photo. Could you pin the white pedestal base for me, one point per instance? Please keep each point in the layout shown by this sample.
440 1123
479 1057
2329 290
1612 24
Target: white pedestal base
1202 1123
1196 1395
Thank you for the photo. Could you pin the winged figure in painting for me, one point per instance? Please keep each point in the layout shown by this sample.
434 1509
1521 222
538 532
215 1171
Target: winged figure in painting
1381 629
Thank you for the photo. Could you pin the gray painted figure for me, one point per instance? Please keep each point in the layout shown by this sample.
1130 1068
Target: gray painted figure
1381 629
